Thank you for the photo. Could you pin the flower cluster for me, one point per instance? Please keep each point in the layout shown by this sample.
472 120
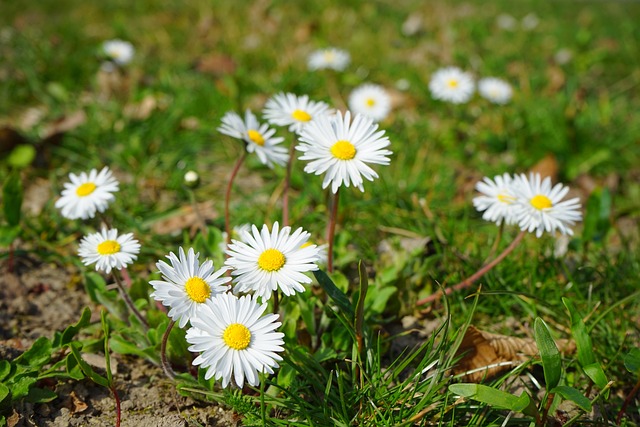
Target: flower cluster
451 84
530 202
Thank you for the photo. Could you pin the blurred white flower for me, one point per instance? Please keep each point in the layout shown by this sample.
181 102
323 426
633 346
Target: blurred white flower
451 84
287 109
119 51
495 90
530 21
497 199
505 21
108 250
333 58
370 100
87 193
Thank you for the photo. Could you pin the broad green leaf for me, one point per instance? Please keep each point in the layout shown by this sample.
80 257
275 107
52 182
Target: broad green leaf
4 393
64 338
5 369
492 396
632 361
73 368
341 300
549 354
12 198
107 356
378 298
573 395
121 346
40 395
22 156
596 373
580 335
20 388
86 368
8 234
38 355
597 220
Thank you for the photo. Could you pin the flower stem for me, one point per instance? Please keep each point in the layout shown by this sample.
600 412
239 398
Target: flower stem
234 172
287 184
331 230
166 366
118 409
475 276
128 301
202 225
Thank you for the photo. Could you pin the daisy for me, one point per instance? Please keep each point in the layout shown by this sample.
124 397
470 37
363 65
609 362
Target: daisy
343 148
258 137
333 58
235 339
451 84
108 250
86 194
119 51
187 284
370 100
495 90
287 109
497 200
540 207
267 260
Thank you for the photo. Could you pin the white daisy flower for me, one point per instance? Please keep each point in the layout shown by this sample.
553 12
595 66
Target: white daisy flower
86 194
108 250
235 339
287 109
495 90
451 84
119 51
336 59
370 100
258 137
540 207
498 199
187 284
343 149
265 261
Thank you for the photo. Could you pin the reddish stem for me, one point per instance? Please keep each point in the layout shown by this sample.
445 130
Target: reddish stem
118 409
331 230
227 196
627 401
166 366
287 184
478 274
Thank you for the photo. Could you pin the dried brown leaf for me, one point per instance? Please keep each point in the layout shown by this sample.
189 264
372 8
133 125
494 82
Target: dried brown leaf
64 124
547 167
216 65
77 404
185 217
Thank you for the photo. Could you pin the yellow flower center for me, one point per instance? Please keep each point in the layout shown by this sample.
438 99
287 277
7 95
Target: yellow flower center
108 247
271 260
505 198
371 102
343 150
540 202
197 289
301 116
85 189
452 83
237 336
256 137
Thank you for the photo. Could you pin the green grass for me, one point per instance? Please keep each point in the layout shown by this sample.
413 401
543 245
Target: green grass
583 114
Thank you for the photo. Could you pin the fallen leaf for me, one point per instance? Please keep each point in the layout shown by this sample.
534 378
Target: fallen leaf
547 167
185 217
216 65
64 124
77 405
14 419
485 354
37 194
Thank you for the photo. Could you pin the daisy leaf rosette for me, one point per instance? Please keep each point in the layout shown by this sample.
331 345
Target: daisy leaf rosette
540 206
187 284
296 112
264 261
497 200
259 138
235 340
343 149
87 194
108 250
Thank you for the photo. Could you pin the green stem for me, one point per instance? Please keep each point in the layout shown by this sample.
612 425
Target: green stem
287 185
331 230
227 196
128 301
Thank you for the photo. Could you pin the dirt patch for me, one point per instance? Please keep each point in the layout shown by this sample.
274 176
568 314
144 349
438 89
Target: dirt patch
37 299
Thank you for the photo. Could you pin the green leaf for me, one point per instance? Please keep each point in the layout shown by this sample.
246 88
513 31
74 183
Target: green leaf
573 395
549 354
22 156
379 297
107 358
20 388
38 355
596 373
4 393
122 346
40 395
86 368
64 338
364 286
632 361
8 234
5 369
493 397
597 216
341 300
12 198
580 335
73 368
